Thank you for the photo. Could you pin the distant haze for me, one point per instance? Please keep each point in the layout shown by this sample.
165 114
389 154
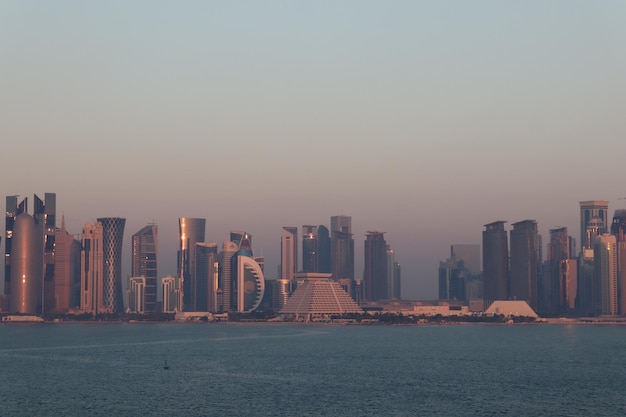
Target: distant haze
424 120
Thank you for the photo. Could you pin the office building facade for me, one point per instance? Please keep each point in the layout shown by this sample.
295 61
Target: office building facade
112 241
495 263
207 269
289 252
525 262
375 272
191 231
593 213
26 271
92 268
144 263
66 270
605 275
341 248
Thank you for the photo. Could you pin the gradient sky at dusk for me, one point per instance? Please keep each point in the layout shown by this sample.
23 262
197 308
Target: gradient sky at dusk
422 119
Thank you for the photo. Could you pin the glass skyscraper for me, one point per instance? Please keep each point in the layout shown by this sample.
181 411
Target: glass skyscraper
112 239
144 263
191 231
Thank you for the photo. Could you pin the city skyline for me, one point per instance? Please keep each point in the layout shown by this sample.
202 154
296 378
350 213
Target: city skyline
423 120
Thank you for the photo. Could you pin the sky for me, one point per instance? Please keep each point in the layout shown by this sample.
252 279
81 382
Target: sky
421 119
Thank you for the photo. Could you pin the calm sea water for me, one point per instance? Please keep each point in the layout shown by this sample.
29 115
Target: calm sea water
289 370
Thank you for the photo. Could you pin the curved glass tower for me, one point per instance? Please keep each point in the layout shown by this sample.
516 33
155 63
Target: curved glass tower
251 284
25 273
112 238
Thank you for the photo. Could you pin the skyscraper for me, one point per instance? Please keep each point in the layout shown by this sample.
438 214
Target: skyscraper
13 209
495 263
137 294
375 272
525 262
172 297
590 210
323 250
605 261
45 219
393 275
250 284
66 270
554 288
26 272
469 254
144 263
453 277
618 229
112 240
342 248
206 277
92 268
191 231
42 252
224 298
289 252
309 249
247 283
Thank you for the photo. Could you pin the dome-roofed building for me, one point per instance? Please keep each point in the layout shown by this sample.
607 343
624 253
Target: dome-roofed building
317 296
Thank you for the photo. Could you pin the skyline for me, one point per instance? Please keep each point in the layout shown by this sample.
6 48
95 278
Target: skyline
424 120
171 258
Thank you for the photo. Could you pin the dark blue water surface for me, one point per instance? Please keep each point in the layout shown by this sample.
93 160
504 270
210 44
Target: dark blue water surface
290 370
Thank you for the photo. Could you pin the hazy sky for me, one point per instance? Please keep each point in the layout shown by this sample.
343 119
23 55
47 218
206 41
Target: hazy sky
422 119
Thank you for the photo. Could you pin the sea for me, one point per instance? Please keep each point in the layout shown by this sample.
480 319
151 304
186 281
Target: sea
200 369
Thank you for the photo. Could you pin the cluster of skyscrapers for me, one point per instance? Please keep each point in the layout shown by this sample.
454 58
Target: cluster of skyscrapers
332 251
589 282
48 270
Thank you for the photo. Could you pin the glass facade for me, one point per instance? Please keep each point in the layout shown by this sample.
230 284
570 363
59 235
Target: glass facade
112 239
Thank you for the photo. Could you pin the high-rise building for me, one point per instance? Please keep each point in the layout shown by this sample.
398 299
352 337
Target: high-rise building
469 254
309 249
172 294
45 219
596 212
393 275
553 289
375 272
26 272
453 277
323 250
66 270
191 231
618 229
13 209
289 252
250 284
247 283
137 294
112 240
224 298
92 268
44 216
495 263
206 277
341 247
144 263
525 262
605 275
281 292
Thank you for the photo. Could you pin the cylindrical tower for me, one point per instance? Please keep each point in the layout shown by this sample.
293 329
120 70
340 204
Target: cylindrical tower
112 238
26 266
